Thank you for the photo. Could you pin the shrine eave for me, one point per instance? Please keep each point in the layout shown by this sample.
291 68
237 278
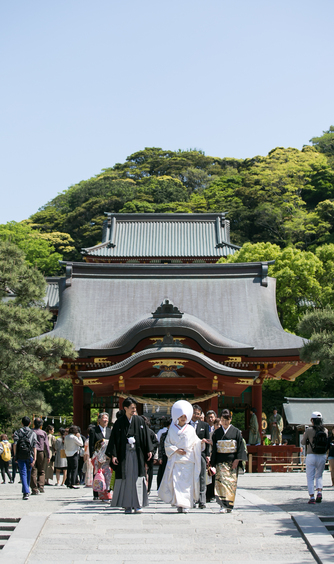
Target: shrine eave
170 353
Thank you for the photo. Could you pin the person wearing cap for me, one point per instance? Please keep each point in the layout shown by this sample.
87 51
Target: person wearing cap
180 482
276 427
316 440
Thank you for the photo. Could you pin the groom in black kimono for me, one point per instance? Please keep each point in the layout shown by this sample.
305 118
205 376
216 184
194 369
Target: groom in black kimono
129 448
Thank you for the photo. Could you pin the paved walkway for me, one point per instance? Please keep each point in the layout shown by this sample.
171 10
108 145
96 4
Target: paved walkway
64 526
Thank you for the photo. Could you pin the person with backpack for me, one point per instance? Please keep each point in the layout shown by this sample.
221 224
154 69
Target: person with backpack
316 440
5 456
25 442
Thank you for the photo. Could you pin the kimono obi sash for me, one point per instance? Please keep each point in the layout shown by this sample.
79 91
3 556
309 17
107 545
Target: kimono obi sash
228 446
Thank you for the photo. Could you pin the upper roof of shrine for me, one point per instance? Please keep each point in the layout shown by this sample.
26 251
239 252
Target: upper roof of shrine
224 307
163 236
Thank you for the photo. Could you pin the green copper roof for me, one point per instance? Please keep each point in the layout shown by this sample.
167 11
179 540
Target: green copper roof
164 236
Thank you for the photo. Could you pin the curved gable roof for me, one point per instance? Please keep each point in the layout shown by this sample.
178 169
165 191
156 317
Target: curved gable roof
187 325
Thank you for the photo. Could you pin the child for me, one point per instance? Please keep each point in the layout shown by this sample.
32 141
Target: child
101 462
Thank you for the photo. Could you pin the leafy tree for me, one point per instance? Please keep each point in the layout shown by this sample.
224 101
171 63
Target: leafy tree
325 144
22 317
297 274
318 327
43 250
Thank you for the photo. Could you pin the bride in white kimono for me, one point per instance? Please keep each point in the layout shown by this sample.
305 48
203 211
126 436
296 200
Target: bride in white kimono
180 483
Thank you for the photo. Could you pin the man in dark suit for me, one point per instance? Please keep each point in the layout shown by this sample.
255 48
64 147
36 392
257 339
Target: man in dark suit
100 431
203 432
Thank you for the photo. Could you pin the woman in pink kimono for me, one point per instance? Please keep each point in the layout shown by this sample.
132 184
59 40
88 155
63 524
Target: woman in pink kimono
180 483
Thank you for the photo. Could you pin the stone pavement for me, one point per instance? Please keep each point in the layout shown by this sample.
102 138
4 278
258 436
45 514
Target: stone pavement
64 526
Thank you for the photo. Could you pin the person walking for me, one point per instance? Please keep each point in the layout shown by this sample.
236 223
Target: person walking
5 456
37 480
316 440
227 450
25 452
180 483
129 448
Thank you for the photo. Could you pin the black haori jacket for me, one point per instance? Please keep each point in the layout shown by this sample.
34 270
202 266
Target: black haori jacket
232 434
120 433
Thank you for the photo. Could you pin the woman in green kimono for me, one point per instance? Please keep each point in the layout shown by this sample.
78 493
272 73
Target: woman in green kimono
276 427
254 433
227 450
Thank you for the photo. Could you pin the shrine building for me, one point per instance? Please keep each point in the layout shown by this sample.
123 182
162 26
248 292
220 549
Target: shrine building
152 315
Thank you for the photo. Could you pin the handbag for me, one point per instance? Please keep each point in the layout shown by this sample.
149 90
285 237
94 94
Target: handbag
62 453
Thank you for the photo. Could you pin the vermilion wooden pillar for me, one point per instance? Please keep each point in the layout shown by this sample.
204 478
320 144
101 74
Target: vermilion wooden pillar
214 404
120 403
78 398
257 402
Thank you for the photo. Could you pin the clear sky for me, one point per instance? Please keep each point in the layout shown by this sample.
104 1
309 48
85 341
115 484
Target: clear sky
86 83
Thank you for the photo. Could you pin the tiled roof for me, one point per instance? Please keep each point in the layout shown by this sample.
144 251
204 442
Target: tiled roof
164 235
100 302
52 292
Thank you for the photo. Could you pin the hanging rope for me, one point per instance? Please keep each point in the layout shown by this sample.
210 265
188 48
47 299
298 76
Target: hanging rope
164 402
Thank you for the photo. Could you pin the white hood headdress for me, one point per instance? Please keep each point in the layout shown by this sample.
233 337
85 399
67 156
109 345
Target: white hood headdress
182 407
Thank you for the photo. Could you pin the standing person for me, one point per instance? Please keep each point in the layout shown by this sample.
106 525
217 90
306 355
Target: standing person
72 443
316 439
276 427
15 468
96 433
37 479
60 457
202 431
331 456
180 482
162 456
227 450
49 466
25 452
81 477
149 464
5 456
129 448
210 419
254 433
88 466
210 488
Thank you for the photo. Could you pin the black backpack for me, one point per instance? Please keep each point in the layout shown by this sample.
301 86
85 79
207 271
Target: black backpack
23 446
320 442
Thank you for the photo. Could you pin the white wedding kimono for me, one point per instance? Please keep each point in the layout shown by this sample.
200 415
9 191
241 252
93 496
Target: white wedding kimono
180 482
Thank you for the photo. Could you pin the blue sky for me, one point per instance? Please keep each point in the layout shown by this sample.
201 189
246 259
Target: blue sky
84 84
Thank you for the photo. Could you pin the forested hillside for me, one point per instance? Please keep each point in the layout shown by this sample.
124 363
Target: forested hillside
281 206
286 198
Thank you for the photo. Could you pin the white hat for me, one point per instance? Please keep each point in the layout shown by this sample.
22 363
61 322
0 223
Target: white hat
182 407
316 415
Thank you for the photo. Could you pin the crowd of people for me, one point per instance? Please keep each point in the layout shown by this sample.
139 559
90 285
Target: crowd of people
198 460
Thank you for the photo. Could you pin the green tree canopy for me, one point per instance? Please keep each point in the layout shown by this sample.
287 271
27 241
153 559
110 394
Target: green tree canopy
23 317
318 327
298 277
43 250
